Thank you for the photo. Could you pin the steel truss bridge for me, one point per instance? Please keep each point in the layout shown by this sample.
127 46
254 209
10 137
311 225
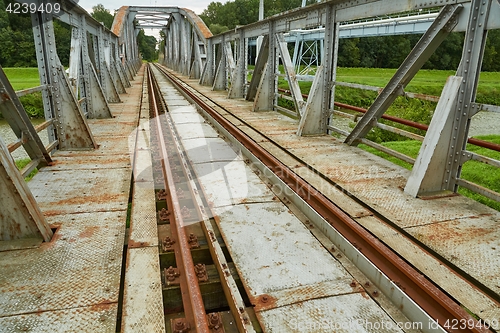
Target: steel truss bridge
103 62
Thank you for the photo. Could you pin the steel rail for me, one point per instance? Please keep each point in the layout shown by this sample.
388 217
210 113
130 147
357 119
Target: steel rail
439 305
234 298
194 308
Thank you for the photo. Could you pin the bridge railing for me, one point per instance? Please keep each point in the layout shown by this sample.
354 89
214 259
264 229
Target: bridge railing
342 110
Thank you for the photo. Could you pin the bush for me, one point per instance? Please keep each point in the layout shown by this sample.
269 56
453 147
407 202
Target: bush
33 104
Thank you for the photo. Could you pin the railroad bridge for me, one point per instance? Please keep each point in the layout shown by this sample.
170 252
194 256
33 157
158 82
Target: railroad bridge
182 197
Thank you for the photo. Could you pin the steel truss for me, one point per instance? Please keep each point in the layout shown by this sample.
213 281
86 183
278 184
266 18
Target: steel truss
102 63
439 163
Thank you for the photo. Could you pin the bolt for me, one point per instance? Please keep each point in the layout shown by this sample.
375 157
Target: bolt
179 326
265 299
375 293
367 284
353 284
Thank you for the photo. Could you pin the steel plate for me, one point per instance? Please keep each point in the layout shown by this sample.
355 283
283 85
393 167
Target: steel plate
343 313
206 150
76 191
195 131
80 267
91 319
187 117
456 240
273 251
143 224
142 299
228 183
108 146
462 290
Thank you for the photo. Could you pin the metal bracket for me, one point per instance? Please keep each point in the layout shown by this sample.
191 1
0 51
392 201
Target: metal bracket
21 217
70 126
428 173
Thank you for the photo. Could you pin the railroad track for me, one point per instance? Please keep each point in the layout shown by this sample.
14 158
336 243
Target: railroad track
196 274
429 297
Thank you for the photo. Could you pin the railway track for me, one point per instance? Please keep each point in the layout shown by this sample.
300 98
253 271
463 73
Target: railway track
182 207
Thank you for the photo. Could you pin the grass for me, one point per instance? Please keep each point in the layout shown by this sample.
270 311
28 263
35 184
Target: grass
430 82
23 77
21 163
477 172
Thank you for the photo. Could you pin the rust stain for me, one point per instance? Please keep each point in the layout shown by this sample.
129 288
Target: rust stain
202 27
134 244
56 236
102 305
88 231
365 295
119 19
263 302
87 199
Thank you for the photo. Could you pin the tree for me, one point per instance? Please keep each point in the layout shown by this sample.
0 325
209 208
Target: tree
103 15
147 46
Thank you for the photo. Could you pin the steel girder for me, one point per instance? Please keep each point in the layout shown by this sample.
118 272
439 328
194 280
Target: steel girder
441 158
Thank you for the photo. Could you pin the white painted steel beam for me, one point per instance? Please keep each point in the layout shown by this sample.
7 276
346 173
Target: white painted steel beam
469 69
13 111
291 76
83 77
428 174
239 73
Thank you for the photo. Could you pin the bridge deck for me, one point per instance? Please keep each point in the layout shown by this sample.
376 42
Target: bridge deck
459 229
73 282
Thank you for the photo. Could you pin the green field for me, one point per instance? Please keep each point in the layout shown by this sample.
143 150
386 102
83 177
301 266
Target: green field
429 82
477 172
22 78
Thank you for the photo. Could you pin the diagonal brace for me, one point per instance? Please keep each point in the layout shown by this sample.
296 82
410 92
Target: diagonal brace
430 41
290 74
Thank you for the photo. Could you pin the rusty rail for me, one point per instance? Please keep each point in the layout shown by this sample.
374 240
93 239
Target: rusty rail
440 306
194 308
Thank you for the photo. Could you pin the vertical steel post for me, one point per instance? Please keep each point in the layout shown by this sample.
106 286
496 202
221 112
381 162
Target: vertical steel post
320 101
60 104
239 76
469 69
